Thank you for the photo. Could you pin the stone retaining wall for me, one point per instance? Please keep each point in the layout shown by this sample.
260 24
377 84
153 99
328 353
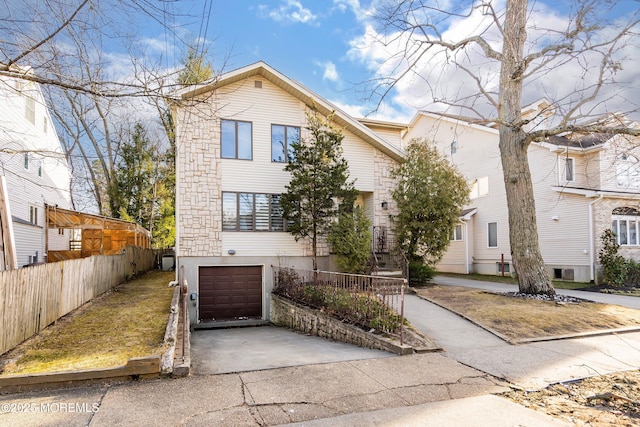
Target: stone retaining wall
290 315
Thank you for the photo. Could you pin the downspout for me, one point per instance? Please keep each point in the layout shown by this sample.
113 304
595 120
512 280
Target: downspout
592 245
466 247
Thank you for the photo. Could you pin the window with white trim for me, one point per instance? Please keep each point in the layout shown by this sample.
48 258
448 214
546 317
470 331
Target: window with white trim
457 232
567 169
30 109
492 235
479 187
625 224
33 215
627 171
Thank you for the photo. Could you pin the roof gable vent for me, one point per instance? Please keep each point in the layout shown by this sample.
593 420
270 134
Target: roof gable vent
258 84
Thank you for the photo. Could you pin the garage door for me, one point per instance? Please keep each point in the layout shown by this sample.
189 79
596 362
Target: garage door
230 293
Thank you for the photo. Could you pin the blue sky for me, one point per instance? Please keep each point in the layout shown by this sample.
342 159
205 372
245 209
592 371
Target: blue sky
329 46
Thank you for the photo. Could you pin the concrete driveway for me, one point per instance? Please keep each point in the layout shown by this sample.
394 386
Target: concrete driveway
219 351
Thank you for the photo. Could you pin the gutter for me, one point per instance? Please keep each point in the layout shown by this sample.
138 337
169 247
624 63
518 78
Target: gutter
592 245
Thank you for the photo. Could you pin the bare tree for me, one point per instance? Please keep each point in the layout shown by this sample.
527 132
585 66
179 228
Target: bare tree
96 74
504 52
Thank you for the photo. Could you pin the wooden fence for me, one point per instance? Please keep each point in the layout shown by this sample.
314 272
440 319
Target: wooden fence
32 298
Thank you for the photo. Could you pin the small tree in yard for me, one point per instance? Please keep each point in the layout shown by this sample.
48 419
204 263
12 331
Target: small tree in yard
350 239
430 194
319 183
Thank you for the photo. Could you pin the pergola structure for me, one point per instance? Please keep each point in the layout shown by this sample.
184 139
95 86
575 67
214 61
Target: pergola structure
96 235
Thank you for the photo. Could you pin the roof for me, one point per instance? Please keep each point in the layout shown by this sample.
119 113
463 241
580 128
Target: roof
301 92
467 121
580 141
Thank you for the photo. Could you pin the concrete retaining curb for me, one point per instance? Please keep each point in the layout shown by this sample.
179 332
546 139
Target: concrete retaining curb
305 319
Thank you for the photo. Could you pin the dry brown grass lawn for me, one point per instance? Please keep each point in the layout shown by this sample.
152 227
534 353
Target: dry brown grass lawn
106 332
522 318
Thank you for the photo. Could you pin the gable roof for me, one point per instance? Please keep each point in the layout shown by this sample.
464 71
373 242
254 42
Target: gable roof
457 120
311 99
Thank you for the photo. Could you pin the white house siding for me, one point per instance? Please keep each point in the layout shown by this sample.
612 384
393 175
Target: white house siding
392 135
477 156
31 247
46 179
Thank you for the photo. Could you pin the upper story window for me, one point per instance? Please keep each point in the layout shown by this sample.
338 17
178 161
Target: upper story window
281 139
625 223
454 147
40 169
627 171
567 169
492 235
457 232
236 140
30 109
479 187
251 212
33 215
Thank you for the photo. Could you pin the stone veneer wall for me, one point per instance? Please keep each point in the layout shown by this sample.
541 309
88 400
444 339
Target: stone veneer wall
294 316
384 185
199 177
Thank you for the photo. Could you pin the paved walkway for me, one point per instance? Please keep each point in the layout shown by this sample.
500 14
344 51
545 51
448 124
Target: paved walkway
453 388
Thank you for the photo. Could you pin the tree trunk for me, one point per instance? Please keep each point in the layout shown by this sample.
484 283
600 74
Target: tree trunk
523 230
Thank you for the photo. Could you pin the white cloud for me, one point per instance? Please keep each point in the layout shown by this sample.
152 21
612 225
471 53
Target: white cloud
330 72
438 78
290 11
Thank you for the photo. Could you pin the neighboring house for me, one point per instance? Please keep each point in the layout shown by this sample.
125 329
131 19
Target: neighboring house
232 138
35 168
583 185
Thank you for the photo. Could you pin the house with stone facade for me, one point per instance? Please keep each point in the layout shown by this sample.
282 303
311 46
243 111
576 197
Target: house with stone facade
232 137
583 185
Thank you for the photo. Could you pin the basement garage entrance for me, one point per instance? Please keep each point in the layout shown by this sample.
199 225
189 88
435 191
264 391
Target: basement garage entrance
230 293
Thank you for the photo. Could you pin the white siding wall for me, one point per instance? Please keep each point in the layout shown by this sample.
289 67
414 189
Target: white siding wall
31 242
477 156
46 180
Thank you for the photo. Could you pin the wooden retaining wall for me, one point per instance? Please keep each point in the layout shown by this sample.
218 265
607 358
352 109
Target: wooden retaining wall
32 298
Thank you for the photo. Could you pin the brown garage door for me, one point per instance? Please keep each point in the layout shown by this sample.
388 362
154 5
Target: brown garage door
230 293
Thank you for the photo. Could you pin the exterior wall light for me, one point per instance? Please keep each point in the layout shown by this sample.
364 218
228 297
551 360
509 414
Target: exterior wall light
231 251
385 205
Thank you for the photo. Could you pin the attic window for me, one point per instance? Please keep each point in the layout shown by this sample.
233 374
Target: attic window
258 84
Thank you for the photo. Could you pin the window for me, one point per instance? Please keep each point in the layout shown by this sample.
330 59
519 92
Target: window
625 223
454 147
627 171
30 109
33 215
236 140
281 139
457 232
567 170
479 187
26 161
492 235
251 212
40 169
61 231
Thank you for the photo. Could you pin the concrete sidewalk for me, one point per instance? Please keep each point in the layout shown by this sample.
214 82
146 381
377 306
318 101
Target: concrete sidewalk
453 388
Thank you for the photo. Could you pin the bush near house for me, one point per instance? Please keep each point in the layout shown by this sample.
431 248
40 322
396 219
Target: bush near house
616 270
360 308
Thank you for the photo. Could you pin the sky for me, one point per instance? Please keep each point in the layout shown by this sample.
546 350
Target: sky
329 46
